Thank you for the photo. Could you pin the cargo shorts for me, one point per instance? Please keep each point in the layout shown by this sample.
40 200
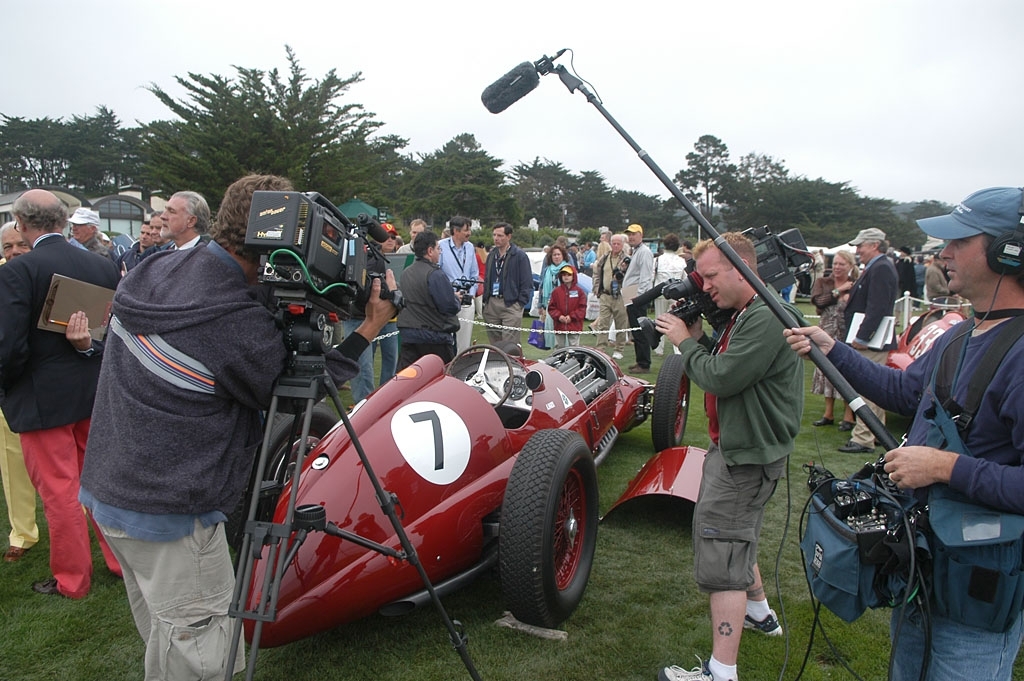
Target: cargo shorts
727 521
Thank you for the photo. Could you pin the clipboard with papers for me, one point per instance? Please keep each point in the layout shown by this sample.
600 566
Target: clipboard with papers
67 296
883 334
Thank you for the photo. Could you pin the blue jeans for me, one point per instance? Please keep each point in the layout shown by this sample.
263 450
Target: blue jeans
362 383
388 352
958 651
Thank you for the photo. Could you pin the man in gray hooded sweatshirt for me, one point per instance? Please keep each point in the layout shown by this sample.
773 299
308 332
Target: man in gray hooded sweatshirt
191 359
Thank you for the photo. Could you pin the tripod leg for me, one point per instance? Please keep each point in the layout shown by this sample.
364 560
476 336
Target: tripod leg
272 538
243 572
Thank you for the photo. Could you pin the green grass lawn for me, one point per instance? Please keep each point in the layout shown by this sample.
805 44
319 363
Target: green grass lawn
641 610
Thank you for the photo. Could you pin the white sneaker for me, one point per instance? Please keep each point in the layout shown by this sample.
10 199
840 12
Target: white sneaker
616 355
674 673
769 625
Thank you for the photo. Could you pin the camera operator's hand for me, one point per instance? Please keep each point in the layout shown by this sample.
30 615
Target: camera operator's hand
800 339
696 329
677 331
378 310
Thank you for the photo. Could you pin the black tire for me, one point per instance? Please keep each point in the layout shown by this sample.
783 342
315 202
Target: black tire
671 404
280 465
548 528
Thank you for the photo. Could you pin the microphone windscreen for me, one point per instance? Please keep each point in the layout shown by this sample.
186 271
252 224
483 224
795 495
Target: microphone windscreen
373 228
510 88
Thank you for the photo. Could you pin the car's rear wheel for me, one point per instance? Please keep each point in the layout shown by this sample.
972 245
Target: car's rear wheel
671 404
548 528
279 468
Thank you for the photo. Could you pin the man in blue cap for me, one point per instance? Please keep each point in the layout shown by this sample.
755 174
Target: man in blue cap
975 609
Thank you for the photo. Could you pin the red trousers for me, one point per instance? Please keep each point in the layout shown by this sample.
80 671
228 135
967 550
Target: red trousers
53 458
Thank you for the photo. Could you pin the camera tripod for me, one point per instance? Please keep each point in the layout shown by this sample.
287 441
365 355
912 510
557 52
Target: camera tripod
303 384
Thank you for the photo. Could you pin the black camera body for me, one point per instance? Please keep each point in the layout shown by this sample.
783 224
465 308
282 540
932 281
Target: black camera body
304 241
692 303
464 285
779 255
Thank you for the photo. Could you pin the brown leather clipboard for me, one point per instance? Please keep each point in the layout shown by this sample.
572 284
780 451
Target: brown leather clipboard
67 296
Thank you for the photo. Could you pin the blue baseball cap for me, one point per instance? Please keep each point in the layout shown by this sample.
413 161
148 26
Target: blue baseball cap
992 211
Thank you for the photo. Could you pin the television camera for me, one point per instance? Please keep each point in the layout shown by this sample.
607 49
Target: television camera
778 257
306 243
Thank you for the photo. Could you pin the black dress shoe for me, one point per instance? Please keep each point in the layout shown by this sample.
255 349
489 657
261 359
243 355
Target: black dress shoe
823 422
852 447
47 587
846 426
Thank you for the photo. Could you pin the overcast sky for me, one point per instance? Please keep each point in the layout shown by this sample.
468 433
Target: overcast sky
904 100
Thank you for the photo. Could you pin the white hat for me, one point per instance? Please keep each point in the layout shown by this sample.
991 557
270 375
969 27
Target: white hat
84 216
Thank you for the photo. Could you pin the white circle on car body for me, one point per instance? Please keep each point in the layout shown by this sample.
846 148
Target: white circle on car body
433 439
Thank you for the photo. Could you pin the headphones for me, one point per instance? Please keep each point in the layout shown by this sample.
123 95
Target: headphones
1005 255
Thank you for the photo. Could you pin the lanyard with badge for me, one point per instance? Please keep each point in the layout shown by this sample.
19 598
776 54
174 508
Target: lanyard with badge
461 261
499 265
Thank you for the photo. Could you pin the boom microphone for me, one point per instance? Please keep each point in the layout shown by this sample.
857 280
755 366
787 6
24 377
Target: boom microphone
510 88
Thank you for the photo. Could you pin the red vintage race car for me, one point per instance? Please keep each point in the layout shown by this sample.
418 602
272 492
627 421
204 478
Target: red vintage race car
490 460
925 329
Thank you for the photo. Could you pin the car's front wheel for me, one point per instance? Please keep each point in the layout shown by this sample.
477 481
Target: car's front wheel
548 528
671 404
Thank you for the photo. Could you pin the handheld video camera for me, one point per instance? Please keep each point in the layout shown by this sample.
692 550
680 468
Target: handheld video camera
464 285
305 242
778 256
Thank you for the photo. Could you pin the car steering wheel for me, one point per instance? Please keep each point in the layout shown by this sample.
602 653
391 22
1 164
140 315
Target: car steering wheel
495 389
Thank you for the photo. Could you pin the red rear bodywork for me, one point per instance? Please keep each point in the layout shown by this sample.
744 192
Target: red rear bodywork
921 334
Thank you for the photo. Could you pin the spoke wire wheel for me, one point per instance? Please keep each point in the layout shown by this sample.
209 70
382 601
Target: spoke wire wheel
548 528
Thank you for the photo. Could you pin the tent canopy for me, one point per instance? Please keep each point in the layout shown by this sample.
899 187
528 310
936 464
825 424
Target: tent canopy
352 209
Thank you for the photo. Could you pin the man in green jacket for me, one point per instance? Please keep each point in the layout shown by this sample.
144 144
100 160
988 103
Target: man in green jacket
754 401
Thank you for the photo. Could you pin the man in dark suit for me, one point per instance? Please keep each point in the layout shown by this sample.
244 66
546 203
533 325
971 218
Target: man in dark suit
47 384
873 295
